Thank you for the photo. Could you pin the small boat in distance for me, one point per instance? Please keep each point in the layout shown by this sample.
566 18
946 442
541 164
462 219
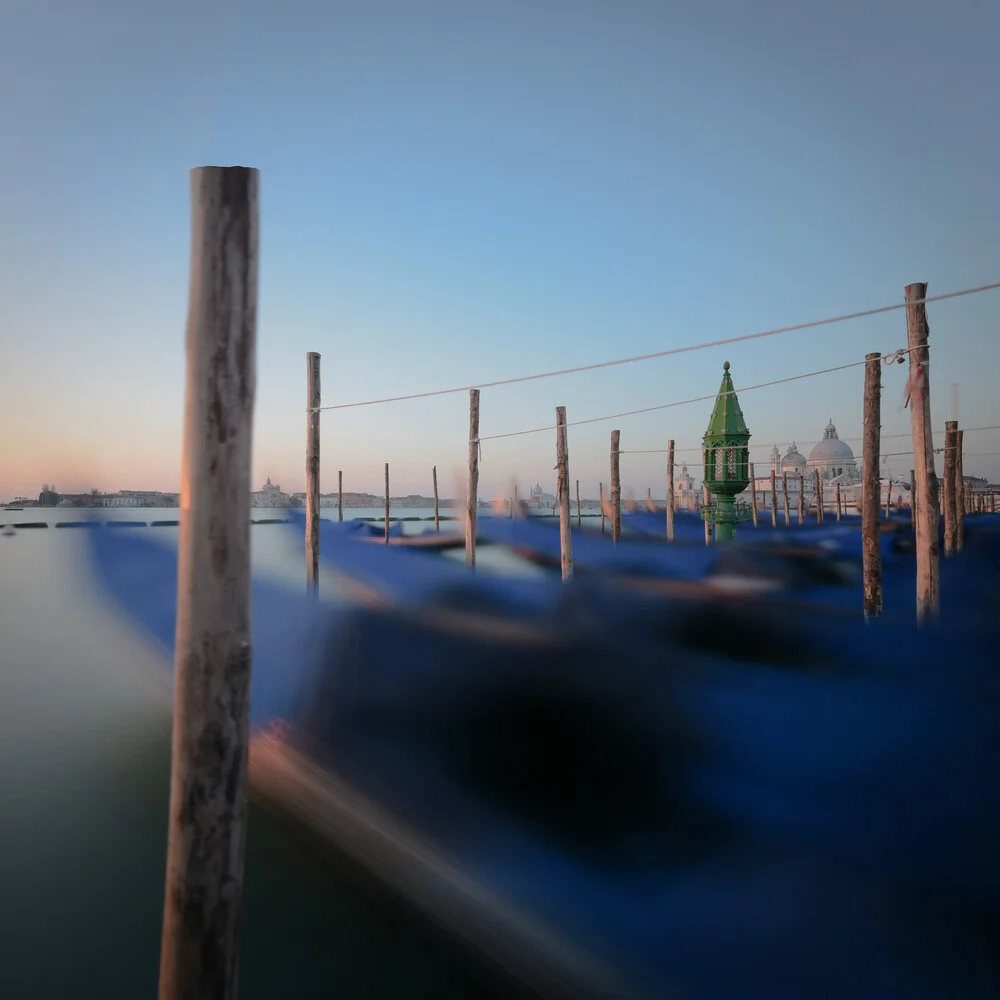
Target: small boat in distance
12 506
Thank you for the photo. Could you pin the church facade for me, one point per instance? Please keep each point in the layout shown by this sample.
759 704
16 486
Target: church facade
835 462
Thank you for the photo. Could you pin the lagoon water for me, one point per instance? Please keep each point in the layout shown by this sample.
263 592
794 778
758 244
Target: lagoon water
84 776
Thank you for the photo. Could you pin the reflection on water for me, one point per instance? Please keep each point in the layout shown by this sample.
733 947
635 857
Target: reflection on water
84 769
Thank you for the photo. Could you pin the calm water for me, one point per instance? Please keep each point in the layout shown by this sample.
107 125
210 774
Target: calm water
84 772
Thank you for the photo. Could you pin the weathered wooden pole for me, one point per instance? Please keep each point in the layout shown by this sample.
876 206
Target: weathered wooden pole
818 486
313 400
784 490
212 661
753 495
670 491
774 499
838 501
472 493
562 491
340 495
928 568
616 488
871 536
913 499
949 501
802 498
579 515
386 503
437 517
706 498
601 485
960 499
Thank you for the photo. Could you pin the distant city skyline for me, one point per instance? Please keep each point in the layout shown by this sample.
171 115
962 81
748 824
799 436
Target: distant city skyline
452 195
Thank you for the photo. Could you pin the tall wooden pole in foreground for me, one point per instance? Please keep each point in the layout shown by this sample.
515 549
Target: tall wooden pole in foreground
437 519
562 489
670 491
386 503
871 535
774 500
959 492
312 471
784 491
949 500
928 568
616 488
960 499
472 508
212 662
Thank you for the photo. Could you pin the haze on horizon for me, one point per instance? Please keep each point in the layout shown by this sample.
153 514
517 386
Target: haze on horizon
453 195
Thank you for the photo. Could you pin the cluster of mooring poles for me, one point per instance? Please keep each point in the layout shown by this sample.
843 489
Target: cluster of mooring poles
208 792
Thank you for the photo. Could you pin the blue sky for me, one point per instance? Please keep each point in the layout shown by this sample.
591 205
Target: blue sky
456 192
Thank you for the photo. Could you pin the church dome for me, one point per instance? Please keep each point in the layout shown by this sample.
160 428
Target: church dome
831 448
794 459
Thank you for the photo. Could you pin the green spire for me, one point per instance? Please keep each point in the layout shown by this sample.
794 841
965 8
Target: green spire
727 417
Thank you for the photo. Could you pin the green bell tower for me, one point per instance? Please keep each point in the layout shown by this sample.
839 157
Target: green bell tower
727 461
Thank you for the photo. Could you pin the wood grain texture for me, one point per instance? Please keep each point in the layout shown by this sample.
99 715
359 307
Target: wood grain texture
313 400
670 490
616 487
472 492
208 784
928 552
562 489
871 540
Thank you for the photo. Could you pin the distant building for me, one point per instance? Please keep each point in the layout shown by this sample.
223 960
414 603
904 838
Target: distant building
684 494
118 500
269 495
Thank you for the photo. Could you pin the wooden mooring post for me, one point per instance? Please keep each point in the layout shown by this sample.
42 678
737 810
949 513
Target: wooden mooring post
437 515
928 568
562 489
616 487
802 498
818 486
212 661
472 493
774 499
913 500
753 495
948 499
838 501
386 503
960 499
340 495
784 490
871 534
313 400
670 490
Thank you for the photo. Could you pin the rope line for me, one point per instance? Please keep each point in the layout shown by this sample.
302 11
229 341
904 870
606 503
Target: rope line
812 324
667 406
882 437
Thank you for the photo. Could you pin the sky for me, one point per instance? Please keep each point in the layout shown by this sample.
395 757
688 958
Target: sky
454 193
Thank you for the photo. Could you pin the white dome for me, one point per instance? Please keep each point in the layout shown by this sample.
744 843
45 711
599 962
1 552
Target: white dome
793 458
831 448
